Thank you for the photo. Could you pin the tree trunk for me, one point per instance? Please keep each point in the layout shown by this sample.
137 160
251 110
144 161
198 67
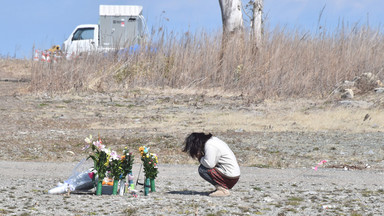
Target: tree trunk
257 33
231 16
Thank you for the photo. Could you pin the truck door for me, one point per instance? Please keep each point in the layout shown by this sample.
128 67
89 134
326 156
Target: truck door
83 40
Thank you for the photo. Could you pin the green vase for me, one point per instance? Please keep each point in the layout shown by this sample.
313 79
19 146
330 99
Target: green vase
153 188
99 187
115 186
146 186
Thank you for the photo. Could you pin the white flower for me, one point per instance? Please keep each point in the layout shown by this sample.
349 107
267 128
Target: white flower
98 145
114 156
88 139
107 151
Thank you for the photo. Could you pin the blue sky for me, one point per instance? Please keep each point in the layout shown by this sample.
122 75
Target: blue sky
43 23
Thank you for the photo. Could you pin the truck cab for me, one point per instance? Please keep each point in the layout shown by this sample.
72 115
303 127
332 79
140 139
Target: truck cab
84 38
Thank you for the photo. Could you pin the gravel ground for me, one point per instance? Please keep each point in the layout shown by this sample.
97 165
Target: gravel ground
180 191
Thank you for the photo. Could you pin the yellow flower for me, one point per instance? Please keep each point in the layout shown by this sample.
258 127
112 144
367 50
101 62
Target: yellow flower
141 149
147 156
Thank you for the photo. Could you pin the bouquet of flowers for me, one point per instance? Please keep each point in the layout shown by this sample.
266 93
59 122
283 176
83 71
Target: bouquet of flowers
150 162
115 169
115 165
100 156
126 163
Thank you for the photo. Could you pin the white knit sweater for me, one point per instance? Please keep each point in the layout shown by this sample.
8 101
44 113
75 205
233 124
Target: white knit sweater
219 155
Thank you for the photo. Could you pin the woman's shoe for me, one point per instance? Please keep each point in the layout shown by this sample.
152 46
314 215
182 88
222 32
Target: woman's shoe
220 192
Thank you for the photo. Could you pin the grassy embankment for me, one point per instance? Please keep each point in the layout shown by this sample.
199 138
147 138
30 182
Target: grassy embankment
289 64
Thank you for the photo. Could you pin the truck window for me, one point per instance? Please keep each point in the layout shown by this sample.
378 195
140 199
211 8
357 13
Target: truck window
83 34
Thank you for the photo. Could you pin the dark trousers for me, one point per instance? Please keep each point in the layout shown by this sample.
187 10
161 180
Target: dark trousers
203 171
214 177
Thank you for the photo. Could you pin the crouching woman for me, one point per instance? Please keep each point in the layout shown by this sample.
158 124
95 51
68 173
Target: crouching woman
218 164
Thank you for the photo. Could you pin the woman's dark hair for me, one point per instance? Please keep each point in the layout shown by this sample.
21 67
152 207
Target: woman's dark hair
195 143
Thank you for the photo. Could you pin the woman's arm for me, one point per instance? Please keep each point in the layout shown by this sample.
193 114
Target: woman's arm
210 158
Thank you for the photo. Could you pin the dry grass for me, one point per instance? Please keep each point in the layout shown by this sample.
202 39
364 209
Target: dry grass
329 119
15 68
339 120
290 64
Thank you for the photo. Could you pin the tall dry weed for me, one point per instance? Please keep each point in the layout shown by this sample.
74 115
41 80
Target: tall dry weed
289 64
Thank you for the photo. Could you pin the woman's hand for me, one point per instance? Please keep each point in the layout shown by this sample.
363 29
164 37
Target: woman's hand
199 156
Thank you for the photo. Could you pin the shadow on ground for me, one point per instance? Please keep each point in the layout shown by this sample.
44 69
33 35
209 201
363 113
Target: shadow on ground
188 192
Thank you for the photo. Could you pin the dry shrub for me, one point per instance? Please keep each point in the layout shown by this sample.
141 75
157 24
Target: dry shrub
289 64
74 75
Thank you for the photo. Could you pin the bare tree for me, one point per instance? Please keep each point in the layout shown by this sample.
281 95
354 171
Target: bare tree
231 15
254 12
257 21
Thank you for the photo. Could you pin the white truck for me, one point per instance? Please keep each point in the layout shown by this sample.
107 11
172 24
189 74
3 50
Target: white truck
120 26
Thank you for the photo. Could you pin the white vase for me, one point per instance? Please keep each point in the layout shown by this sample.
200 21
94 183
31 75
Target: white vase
122 187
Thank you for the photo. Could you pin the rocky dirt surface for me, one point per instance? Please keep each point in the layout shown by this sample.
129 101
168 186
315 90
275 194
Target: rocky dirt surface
276 142
41 127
